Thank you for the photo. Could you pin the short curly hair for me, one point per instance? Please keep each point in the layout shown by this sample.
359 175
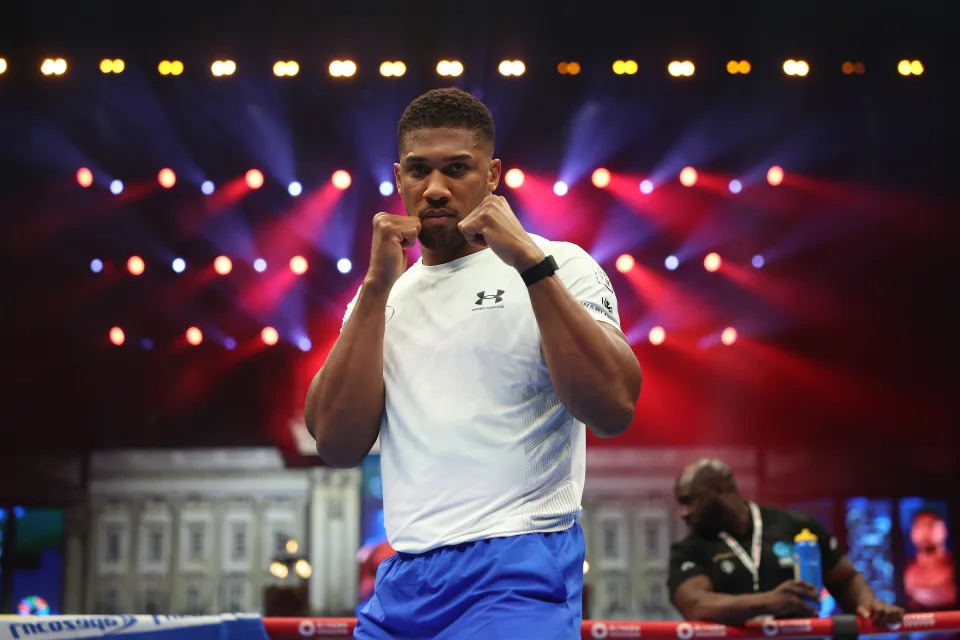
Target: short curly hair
448 107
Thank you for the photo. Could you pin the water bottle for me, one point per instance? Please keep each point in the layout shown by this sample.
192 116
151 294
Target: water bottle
807 564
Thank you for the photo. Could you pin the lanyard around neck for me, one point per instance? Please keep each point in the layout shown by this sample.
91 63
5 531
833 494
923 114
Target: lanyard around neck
751 562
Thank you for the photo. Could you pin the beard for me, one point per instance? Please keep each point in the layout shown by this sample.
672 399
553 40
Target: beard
441 239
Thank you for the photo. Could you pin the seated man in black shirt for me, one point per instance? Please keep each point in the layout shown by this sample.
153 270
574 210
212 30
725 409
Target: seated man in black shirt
737 562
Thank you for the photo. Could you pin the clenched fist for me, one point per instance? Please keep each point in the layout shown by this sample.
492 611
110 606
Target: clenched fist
391 235
493 224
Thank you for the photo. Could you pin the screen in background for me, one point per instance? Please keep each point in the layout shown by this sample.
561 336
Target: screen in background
374 548
36 561
869 525
929 575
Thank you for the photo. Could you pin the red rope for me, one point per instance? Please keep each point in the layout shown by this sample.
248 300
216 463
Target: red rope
278 628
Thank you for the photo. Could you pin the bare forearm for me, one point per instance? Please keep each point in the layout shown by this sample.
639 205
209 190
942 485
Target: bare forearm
723 608
345 400
853 593
595 374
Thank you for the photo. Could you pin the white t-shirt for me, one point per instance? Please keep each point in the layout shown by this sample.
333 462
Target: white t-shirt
474 443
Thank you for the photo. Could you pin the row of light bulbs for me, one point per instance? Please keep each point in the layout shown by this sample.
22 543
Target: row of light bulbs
454 68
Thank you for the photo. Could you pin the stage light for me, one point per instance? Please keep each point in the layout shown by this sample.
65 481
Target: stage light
514 178
294 188
600 178
757 261
512 68
646 187
733 67
298 264
859 68
560 188
625 263
678 68
916 67
728 336
568 68
304 343
341 179
207 187
84 177
343 68
229 343
303 568
254 178
904 68
796 67
712 262
288 68
847 68
671 263
744 67
386 188
259 265
170 67
688 176
178 265
53 67
657 335
269 336
135 265
344 265
3 66
775 176
223 68
449 68
279 570
735 186
96 265
625 67
112 66
393 69
167 178
116 336
223 265
194 336
116 187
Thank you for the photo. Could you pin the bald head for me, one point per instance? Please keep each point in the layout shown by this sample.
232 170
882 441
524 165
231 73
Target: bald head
707 473
708 496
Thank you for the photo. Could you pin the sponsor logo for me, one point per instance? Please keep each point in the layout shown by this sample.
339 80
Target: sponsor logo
727 567
686 631
322 628
495 298
110 624
919 620
599 631
773 627
770 628
603 279
593 306
782 549
686 566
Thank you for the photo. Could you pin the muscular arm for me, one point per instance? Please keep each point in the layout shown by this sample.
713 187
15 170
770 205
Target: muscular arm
345 401
695 599
594 371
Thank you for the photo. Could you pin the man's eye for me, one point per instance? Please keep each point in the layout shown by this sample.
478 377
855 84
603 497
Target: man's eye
457 167
419 170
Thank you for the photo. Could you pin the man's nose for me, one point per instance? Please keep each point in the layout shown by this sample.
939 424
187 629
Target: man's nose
437 189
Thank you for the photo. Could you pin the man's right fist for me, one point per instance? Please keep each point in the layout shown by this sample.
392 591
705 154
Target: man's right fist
391 235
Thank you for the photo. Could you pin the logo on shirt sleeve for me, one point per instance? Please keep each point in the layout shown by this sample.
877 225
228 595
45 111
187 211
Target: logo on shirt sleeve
603 279
602 310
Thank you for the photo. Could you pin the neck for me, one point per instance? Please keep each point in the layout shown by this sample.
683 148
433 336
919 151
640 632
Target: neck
433 257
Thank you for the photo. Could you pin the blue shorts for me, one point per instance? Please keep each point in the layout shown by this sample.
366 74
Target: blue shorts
525 587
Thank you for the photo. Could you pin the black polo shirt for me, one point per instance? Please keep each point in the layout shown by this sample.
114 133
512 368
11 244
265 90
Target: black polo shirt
695 555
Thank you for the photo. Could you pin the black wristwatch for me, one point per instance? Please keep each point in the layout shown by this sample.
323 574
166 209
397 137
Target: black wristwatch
546 267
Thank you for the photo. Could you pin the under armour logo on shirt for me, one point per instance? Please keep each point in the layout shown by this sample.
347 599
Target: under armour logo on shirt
497 297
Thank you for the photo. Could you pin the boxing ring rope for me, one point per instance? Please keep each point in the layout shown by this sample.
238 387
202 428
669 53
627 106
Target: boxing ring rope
839 626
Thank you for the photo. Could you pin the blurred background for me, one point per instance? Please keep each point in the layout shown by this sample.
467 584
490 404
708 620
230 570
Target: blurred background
186 192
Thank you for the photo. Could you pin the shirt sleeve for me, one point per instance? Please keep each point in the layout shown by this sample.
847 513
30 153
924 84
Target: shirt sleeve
683 566
830 551
588 283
